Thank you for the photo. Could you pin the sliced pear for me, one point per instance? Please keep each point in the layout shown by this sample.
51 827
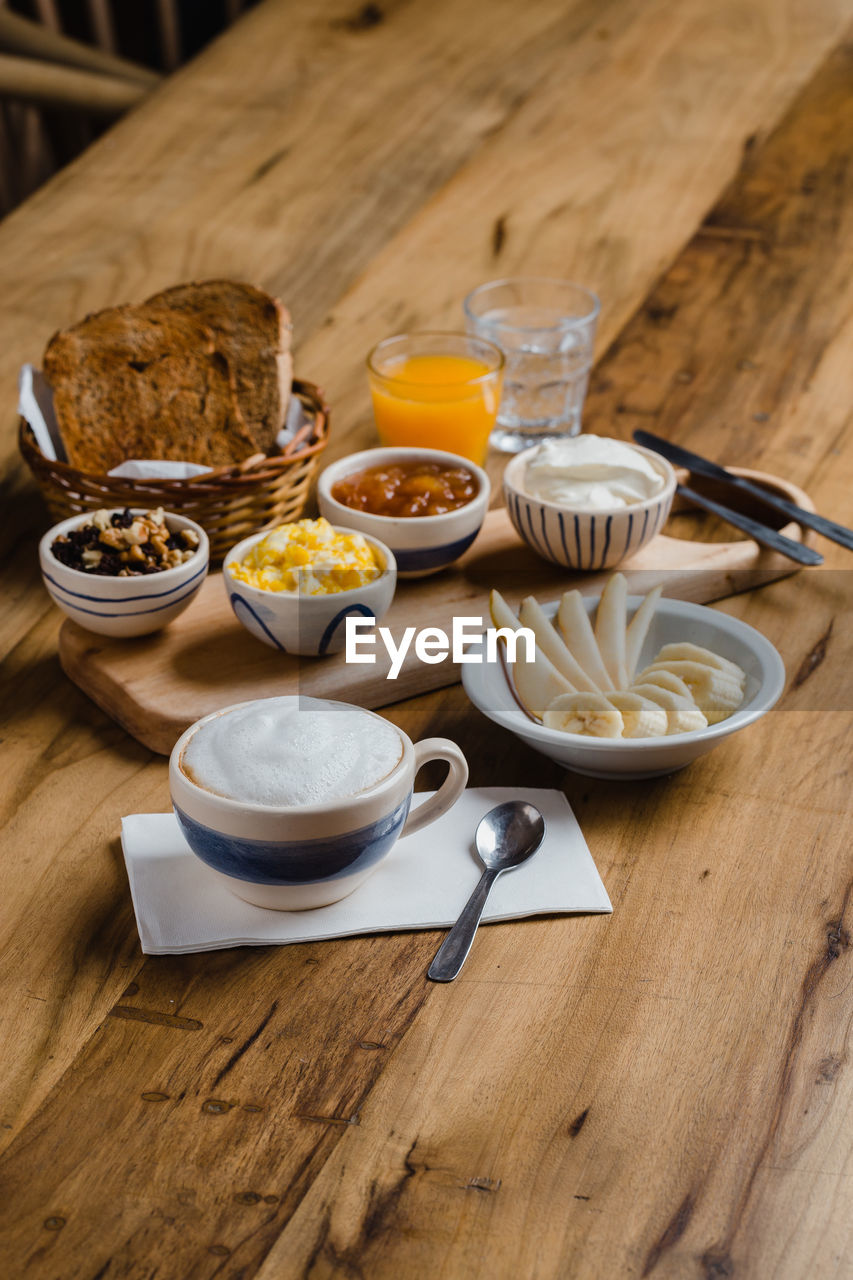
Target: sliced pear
591 714
610 628
576 629
501 614
549 641
537 681
638 629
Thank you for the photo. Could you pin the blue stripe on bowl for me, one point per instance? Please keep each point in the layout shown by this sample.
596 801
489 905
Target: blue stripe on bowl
294 861
244 604
630 530
607 527
548 550
512 511
531 535
151 595
121 613
568 558
658 515
328 635
432 557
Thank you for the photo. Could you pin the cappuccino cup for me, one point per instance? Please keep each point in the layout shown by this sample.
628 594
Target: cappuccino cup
293 801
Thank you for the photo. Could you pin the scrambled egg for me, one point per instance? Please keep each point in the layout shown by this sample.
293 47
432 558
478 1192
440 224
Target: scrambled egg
308 557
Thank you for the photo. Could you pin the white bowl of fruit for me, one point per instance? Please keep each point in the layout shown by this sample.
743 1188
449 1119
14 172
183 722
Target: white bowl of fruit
624 686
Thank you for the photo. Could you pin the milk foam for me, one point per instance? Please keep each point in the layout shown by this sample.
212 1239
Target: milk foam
292 751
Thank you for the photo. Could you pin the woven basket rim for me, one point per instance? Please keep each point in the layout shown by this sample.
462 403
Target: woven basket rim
252 469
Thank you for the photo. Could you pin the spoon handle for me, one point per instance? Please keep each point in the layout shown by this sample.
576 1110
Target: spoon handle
452 953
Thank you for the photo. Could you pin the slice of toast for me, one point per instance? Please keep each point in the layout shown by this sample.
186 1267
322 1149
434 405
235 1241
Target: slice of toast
141 382
253 332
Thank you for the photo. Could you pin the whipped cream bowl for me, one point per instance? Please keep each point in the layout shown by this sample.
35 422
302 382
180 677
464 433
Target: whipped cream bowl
292 802
588 502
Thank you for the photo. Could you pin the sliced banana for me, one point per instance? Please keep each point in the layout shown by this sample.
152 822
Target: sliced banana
716 693
591 714
665 680
682 714
641 718
686 652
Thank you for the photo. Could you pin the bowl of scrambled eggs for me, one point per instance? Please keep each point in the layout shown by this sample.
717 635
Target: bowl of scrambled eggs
294 587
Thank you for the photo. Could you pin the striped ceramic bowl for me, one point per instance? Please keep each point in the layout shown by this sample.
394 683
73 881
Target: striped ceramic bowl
586 539
123 606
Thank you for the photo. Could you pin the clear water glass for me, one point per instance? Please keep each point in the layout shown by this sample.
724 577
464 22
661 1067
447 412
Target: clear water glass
546 330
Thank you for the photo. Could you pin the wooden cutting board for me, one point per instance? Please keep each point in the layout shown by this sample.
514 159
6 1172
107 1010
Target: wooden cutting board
156 686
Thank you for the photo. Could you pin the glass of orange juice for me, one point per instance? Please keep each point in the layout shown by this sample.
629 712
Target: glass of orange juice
436 391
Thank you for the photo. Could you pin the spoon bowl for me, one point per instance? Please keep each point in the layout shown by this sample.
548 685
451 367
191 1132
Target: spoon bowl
507 836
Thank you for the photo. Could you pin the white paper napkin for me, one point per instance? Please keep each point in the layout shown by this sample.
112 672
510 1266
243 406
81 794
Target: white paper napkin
157 469
35 405
423 883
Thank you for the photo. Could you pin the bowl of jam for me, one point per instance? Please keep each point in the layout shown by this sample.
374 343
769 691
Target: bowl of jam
426 505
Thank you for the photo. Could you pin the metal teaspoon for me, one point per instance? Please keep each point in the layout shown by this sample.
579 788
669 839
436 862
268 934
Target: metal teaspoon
506 837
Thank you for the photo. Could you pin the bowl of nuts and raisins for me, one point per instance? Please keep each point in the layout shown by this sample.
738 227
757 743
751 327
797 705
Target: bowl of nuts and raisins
126 572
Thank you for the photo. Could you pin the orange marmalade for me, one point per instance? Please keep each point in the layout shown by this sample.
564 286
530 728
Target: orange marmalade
407 489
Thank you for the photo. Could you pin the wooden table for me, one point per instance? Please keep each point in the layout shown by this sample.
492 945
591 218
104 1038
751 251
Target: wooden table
662 1092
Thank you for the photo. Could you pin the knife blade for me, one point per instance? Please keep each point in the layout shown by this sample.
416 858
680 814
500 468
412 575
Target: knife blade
760 532
703 466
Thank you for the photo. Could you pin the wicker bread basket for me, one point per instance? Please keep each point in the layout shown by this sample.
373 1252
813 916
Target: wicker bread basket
228 502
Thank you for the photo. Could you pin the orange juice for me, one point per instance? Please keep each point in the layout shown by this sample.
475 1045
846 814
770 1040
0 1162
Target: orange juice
437 401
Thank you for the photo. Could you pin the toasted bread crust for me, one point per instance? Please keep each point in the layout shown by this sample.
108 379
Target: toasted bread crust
140 382
253 332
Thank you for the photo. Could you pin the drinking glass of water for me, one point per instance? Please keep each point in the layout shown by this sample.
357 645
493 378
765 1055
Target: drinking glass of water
546 330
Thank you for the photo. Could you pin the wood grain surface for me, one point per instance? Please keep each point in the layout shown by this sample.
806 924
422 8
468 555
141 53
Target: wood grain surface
157 686
665 1092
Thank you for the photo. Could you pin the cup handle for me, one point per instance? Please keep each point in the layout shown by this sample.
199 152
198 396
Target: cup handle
449 791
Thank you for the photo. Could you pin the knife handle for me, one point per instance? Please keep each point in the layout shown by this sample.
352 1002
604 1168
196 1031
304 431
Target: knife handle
760 532
827 528
700 466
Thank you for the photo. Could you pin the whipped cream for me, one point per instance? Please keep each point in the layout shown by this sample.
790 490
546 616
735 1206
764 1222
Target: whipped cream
292 751
591 473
